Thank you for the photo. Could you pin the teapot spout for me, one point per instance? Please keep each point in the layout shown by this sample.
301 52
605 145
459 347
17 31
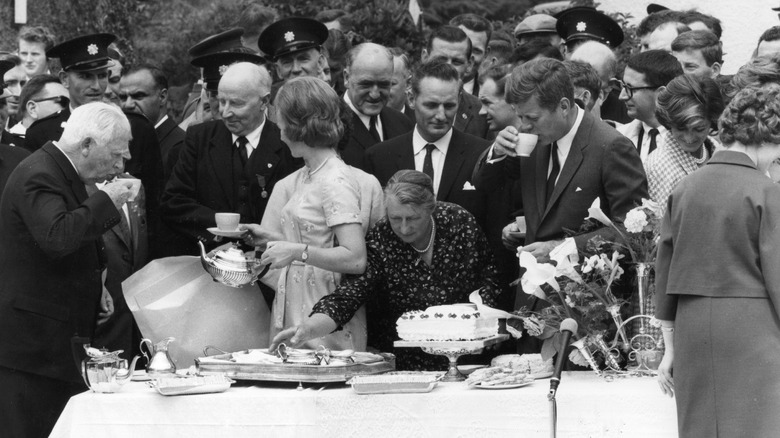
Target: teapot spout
124 375
203 256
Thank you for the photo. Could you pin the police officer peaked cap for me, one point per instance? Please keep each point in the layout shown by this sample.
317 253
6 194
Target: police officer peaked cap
227 41
214 65
586 23
84 53
291 35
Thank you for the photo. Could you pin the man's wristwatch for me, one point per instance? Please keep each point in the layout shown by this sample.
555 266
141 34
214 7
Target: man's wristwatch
305 254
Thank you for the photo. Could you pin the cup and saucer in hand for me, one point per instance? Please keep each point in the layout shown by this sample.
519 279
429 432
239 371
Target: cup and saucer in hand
227 225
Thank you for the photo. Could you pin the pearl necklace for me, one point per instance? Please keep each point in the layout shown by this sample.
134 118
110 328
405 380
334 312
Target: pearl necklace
430 242
704 156
312 172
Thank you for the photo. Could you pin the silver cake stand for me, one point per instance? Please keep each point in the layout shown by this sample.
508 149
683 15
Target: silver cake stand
453 350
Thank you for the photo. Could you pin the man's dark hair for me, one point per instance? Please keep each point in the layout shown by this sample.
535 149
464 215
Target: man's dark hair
658 66
256 17
474 23
583 75
543 78
32 89
158 76
771 34
535 48
712 23
433 69
340 15
337 45
704 40
450 34
37 34
498 74
652 21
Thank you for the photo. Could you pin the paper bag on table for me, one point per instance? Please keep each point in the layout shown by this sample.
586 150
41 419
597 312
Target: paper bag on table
176 297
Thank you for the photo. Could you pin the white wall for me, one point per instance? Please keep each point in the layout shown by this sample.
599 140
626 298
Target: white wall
743 21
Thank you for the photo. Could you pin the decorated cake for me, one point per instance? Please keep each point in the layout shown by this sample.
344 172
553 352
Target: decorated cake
456 322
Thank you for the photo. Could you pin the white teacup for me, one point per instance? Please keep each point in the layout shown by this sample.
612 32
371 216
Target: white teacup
227 221
525 144
134 184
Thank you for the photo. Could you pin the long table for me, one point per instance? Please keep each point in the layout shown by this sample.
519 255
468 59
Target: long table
588 406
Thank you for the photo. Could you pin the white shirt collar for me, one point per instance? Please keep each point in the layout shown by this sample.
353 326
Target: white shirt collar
565 142
66 156
468 87
442 144
164 118
364 118
253 137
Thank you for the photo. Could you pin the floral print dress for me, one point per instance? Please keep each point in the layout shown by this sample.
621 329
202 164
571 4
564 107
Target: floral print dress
397 281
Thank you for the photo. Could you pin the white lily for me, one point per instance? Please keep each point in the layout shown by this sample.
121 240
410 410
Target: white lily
536 274
594 212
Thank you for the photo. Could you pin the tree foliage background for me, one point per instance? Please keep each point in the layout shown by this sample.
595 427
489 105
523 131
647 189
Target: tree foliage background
161 31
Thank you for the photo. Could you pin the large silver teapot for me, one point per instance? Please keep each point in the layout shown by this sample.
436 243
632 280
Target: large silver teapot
230 266
105 371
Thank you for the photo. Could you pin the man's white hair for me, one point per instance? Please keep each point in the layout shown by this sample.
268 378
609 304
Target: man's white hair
98 121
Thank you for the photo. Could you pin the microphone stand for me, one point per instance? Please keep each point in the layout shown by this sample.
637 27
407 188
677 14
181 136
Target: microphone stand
568 327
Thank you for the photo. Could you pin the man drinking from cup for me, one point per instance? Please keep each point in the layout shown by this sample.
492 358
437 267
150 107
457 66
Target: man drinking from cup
576 159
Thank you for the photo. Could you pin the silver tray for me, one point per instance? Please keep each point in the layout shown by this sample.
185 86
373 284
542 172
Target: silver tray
378 363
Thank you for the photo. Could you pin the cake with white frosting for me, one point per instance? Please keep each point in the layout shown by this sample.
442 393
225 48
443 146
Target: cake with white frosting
455 322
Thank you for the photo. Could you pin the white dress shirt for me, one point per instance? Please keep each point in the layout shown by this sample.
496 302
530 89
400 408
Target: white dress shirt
253 139
437 155
366 119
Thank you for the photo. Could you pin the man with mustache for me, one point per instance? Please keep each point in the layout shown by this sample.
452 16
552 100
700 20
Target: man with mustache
368 77
434 147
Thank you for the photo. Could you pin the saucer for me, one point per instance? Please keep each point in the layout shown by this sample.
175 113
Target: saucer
224 233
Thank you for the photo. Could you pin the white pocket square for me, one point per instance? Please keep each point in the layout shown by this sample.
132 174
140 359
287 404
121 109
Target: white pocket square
578 189
468 186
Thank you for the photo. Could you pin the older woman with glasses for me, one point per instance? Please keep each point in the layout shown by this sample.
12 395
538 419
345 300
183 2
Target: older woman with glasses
314 225
718 283
423 253
688 107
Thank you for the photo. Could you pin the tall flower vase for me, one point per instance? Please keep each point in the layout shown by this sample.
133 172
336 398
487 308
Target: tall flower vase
646 339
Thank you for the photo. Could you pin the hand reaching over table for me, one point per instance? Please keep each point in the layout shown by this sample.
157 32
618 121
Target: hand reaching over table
317 325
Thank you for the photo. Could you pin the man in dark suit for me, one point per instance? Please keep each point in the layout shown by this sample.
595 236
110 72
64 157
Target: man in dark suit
452 45
5 136
85 63
228 165
368 76
10 157
51 263
434 147
577 159
143 89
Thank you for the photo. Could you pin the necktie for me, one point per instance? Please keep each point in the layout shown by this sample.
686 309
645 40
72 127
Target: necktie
653 133
428 163
241 142
556 169
372 129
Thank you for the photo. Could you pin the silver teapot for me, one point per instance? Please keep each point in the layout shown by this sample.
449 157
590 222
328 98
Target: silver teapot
105 371
230 266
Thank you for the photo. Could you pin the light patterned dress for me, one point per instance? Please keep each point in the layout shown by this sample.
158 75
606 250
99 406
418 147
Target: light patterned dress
305 210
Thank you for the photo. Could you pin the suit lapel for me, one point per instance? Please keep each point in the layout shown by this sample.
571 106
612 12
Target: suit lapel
573 160
68 171
266 156
464 112
453 161
221 154
404 158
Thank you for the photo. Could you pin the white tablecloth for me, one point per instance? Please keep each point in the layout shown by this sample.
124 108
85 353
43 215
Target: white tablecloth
588 406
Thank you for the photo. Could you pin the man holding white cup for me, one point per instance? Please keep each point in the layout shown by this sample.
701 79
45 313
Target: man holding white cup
576 159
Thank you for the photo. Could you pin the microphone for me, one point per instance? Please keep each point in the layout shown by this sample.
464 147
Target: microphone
568 327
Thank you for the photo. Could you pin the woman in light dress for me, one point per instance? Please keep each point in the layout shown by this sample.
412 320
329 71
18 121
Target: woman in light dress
315 223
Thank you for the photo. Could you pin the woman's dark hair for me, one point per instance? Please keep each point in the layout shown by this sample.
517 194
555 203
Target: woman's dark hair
689 100
752 117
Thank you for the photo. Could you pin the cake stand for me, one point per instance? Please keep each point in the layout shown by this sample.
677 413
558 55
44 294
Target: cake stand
453 350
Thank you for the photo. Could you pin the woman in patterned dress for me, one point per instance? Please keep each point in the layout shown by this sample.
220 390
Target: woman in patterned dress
314 225
423 253
688 107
